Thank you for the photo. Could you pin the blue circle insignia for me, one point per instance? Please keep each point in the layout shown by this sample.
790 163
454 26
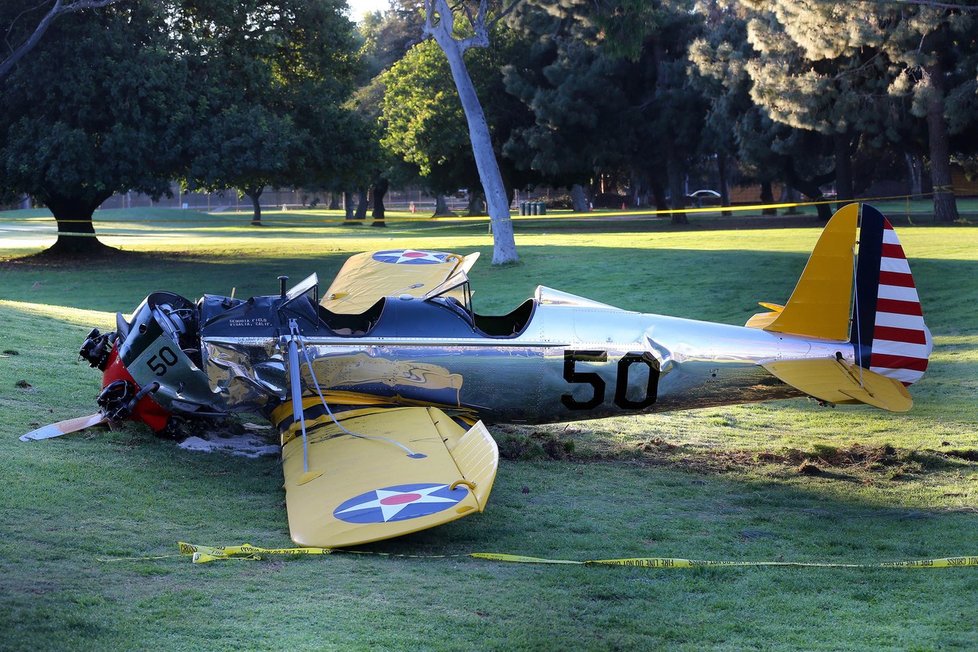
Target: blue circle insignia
399 503
411 257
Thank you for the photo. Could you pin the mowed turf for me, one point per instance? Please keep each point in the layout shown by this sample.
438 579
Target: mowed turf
786 481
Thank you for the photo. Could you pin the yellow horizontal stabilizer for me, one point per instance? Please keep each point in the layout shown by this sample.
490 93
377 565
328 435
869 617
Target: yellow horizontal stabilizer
408 470
837 381
763 319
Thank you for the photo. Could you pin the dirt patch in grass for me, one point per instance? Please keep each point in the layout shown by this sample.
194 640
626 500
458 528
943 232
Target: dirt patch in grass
970 455
856 463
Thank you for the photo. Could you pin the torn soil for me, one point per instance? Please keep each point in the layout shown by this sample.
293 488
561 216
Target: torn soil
858 462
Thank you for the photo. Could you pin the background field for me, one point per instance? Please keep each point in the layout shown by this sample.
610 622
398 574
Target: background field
785 481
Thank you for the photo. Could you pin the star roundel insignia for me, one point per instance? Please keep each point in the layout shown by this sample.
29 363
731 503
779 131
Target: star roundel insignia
410 257
399 503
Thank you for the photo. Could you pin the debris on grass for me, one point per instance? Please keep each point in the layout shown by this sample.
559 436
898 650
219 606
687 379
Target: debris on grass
516 443
223 435
656 443
807 468
970 455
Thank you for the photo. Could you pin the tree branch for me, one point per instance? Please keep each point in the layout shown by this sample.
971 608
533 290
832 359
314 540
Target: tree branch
505 12
480 23
56 10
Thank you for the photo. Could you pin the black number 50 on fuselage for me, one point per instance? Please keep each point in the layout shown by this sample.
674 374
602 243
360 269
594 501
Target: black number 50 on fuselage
573 376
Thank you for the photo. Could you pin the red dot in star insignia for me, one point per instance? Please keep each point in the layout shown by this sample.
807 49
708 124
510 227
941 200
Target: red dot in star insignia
400 499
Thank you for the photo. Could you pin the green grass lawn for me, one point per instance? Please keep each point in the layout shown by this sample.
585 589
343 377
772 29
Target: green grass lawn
722 483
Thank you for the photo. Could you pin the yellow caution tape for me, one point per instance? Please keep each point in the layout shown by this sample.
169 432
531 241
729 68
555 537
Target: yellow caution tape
205 554
273 221
674 562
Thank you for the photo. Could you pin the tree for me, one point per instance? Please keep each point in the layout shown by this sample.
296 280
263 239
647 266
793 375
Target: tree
388 35
274 76
575 97
710 74
607 83
440 26
28 38
424 122
934 50
845 82
96 109
246 147
793 118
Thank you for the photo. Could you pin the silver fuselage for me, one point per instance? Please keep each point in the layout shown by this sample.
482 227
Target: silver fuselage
574 359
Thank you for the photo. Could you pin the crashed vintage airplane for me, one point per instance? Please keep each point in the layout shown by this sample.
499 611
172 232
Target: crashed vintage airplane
379 390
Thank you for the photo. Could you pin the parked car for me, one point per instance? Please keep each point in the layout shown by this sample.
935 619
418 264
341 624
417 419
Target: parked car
704 196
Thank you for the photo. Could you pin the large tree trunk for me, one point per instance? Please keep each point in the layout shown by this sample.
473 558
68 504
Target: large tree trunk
579 199
659 194
334 201
843 169
636 187
76 232
379 190
441 207
477 205
676 190
791 196
504 242
348 205
362 201
810 188
945 205
254 194
767 197
915 167
724 182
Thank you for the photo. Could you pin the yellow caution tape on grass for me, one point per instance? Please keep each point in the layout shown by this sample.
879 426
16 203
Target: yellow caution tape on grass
674 562
204 554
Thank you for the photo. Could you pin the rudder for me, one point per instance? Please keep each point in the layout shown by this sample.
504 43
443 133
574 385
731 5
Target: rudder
888 329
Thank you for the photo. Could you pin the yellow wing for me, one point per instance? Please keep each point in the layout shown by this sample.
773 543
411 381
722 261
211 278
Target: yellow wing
407 469
365 278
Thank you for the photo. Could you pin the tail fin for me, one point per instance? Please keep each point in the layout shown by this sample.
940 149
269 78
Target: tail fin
820 305
885 323
888 330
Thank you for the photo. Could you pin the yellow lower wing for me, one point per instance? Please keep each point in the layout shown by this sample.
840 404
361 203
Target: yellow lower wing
410 469
835 381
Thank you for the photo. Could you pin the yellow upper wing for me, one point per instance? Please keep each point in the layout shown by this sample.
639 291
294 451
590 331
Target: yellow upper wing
409 469
367 277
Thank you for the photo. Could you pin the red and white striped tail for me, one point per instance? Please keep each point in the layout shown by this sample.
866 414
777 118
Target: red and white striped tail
888 332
